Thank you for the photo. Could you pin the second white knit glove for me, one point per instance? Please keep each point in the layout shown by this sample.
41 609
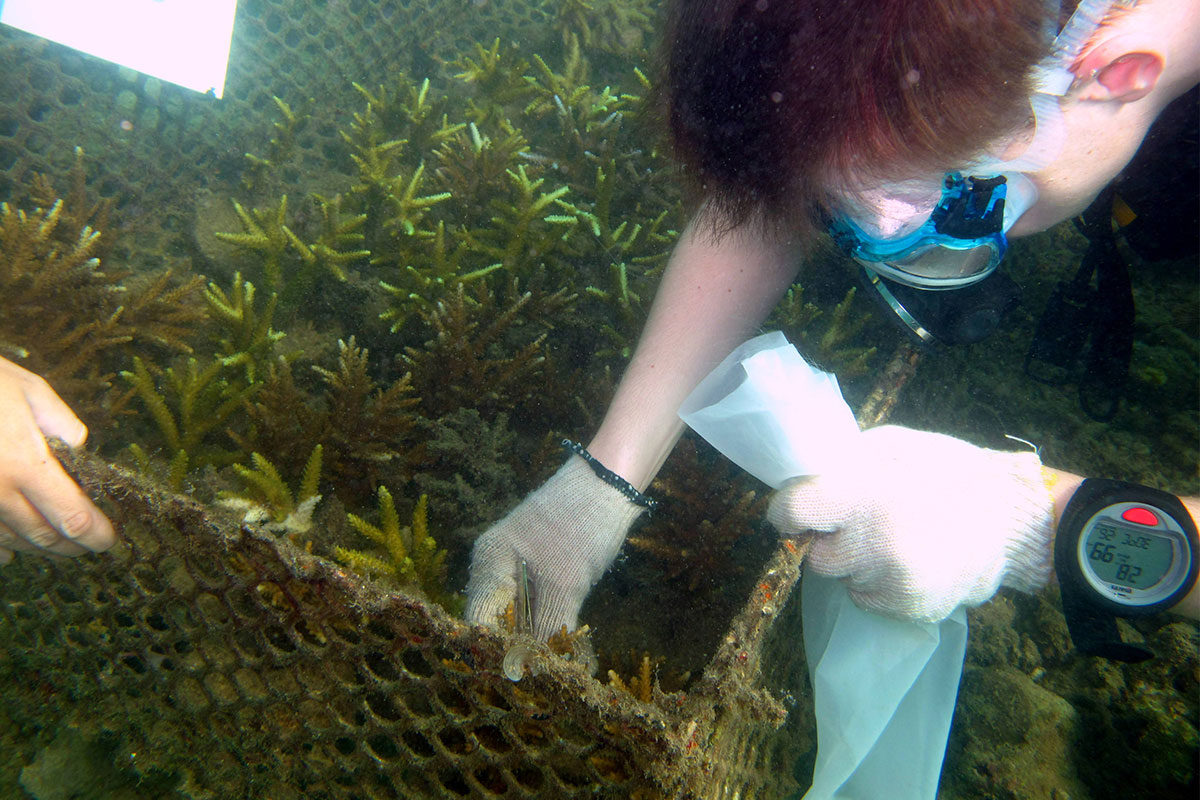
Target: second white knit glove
567 532
919 523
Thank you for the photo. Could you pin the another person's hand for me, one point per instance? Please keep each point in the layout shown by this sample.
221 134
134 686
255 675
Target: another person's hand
41 508
920 523
567 532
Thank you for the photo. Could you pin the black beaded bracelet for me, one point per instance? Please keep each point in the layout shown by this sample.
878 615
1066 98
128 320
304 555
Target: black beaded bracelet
608 476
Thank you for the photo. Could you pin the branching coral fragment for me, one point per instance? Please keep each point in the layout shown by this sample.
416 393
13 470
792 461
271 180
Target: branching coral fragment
706 509
340 238
412 557
195 401
267 500
265 233
827 341
496 74
247 339
408 206
613 26
525 225
469 363
641 683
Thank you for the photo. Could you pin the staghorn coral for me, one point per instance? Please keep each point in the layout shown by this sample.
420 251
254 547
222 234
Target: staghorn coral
640 684
482 355
389 141
79 210
257 175
194 401
496 77
644 672
246 339
706 507
366 429
38 272
830 342
284 421
367 425
265 234
267 501
470 467
161 310
622 246
339 237
471 164
69 319
422 116
288 263
418 288
525 226
608 26
587 123
408 207
412 558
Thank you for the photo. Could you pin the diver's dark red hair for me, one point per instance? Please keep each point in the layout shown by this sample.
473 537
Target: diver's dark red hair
773 104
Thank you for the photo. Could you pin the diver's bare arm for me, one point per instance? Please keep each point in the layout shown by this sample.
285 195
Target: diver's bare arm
713 296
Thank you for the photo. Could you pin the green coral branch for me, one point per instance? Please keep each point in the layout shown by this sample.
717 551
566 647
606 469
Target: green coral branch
340 239
280 149
412 557
248 339
420 286
155 402
496 73
266 498
826 340
422 118
524 226
266 234
407 204
194 402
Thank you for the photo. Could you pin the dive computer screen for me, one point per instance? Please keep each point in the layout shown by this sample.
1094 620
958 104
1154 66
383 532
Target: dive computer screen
1134 558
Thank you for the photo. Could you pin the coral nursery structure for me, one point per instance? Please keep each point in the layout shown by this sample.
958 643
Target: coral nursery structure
359 302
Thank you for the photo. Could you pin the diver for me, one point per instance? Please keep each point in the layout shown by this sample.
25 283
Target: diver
921 136
889 126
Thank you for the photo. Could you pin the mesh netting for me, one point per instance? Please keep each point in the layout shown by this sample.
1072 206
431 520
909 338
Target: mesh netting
253 669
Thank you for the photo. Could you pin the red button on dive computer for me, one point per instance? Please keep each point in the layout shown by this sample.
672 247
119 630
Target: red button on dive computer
1141 516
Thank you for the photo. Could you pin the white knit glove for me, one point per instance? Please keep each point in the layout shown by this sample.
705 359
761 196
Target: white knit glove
920 523
568 532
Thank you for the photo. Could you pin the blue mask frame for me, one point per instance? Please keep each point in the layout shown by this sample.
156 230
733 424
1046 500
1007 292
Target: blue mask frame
961 242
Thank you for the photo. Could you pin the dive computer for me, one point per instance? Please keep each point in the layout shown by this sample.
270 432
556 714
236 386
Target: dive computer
1121 550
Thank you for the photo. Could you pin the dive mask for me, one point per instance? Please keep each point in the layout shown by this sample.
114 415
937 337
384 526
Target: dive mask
959 243
911 238
958 239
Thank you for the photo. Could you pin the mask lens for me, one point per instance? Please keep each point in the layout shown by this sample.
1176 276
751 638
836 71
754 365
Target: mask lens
941 263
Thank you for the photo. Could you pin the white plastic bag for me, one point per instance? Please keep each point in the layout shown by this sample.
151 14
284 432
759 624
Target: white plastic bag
883 689
883 695
771 413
